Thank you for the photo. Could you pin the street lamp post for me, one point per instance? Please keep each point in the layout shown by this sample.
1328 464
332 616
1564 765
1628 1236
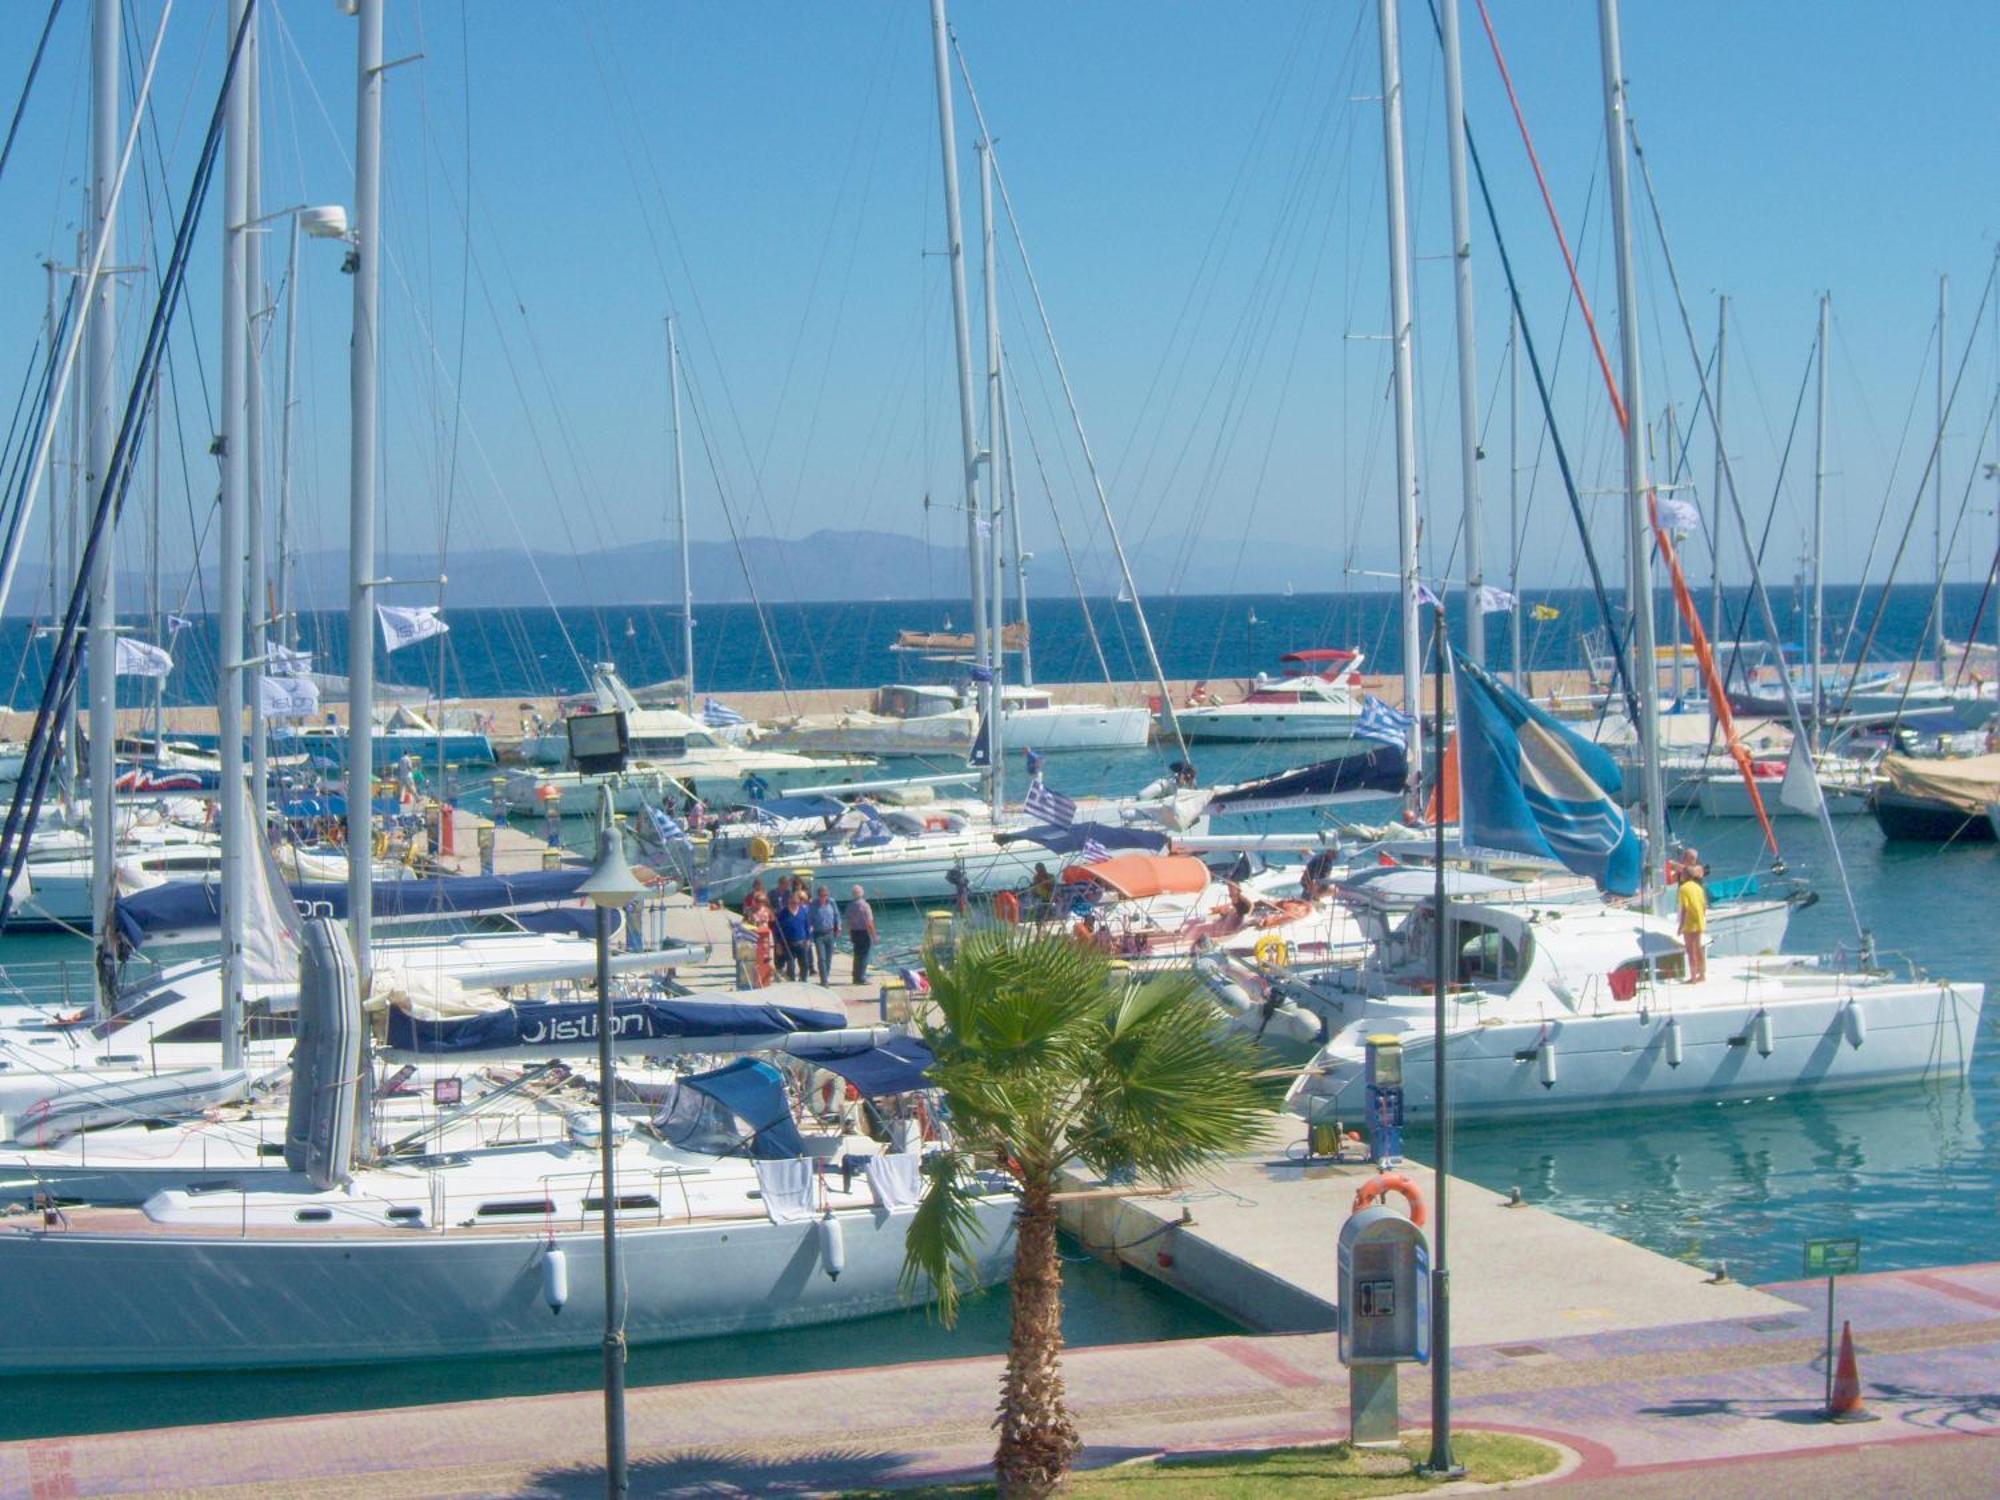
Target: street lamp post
611 885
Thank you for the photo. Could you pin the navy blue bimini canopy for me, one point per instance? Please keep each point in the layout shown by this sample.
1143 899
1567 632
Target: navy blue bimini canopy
572 1026
754 1092
1060 840
180 905
1381 768
897 1066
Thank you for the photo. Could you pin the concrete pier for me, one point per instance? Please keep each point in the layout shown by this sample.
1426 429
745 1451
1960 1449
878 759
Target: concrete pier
1255 1239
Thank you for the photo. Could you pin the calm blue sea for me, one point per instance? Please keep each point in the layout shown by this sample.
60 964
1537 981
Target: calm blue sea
536 652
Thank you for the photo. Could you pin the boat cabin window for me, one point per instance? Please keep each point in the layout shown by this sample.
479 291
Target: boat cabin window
206 1028
138 1010
515 1208
1485 955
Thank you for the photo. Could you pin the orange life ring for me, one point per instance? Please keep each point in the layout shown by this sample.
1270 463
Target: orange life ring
1007 907
1393 1182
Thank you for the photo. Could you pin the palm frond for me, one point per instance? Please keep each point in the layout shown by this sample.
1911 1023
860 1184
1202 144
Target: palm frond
940 1246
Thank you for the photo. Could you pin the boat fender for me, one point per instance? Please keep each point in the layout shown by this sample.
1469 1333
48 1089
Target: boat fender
1675 1052
1393 1182
832 1246
1855 1023
1545 1064
761 850
1761 1030
1007 907
555 1278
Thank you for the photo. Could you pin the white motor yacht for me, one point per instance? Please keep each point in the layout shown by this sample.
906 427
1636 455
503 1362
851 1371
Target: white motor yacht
1318 698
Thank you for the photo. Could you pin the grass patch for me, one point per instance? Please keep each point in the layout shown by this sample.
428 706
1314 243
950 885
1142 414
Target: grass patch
1336 1471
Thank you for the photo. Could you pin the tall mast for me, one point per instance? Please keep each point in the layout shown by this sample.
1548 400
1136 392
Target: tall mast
1937 486
961 325
287 631
1816 629
1638 532
1715 504
1514 494
256 567
100 378
681 508
361 482
235 478
1406 406
1014 525
990 280
1468 362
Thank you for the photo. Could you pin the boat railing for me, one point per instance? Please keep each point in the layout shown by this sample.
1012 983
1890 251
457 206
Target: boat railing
66 984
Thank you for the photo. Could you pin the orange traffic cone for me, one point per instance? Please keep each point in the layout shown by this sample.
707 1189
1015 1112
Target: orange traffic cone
1846 1403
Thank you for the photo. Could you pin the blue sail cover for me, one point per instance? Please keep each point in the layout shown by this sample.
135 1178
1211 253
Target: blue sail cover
572 1026
181 905
1059 838
1381 768
897 1066
754 1092
1531 784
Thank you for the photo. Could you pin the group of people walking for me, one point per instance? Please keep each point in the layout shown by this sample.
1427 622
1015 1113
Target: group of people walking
804 927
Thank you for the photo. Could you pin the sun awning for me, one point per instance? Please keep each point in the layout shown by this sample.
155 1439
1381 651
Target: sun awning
1140 875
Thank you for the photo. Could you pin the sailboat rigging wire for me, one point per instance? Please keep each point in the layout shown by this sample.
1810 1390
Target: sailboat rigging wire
1937 441
1549 424
67 656
97 271
1062 536
28 85
1076 416
1895 467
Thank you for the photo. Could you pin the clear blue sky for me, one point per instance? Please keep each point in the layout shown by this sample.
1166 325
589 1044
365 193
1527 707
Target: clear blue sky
1201 190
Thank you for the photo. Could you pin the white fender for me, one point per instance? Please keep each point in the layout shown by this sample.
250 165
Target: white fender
1674 1044
832 1246
1761 1030
555 1278
1545 1064
1855 1023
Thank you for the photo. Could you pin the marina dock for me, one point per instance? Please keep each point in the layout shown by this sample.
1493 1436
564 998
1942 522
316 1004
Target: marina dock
1255 1239
1675 1400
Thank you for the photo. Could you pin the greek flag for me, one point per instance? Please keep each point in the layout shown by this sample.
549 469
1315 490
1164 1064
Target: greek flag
1381 722
1529 784
1049 806
177 623
670 829
719 715
1094 853
1426 598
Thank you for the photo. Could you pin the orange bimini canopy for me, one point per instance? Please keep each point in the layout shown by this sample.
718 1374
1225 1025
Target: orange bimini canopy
1136 876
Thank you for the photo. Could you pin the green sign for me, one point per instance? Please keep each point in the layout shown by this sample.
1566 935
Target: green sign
1832 1257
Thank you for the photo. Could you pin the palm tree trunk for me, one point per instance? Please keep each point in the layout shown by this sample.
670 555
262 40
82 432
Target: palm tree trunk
1037 1438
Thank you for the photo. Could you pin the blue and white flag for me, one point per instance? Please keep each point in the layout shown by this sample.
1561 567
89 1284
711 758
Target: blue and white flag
719 715
981 754
405 625
1495 601
135 658
1381 722
177 623
1426 598
670 828
1530 784
1094 853
1680 516
1049 806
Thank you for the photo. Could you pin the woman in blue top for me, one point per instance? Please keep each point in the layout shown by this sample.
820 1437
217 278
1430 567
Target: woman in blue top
795 933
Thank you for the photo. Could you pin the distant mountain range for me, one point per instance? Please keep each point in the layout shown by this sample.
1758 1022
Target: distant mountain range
856 565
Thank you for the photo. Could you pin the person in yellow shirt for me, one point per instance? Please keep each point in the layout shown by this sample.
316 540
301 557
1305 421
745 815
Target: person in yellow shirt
1694 919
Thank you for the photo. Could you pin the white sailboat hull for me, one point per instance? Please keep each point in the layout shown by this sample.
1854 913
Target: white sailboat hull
1623 1058
78 1300
1076 726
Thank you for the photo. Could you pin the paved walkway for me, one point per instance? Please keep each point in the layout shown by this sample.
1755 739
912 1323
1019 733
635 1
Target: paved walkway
1693 1410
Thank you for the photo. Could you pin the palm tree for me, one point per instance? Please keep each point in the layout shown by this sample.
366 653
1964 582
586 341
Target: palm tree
1048 1055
